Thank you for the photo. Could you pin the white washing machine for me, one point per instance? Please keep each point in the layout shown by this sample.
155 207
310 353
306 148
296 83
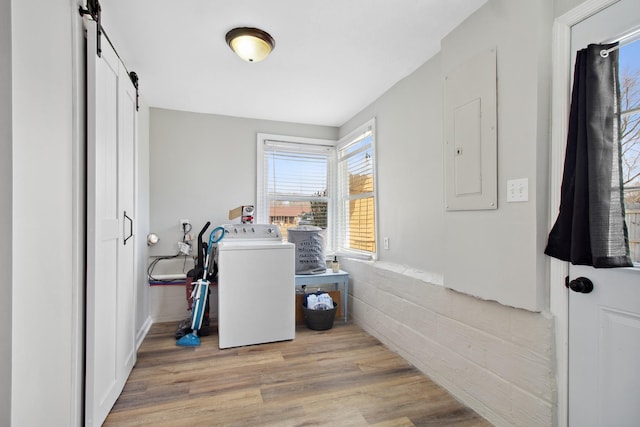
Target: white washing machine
256 286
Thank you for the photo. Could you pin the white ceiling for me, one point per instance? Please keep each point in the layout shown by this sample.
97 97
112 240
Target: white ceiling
332 57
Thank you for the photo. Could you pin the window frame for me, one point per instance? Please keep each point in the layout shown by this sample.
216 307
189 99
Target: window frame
340 234
633 186
335 212
262 204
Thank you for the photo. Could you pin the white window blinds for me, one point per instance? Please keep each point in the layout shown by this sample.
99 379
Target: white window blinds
296 185
357 191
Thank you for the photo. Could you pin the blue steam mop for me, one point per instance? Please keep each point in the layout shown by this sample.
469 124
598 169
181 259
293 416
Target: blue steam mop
201 291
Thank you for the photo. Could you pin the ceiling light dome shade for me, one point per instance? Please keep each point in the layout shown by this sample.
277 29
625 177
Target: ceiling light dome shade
250 44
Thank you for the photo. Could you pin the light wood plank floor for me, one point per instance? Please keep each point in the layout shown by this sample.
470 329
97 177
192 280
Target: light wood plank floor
339 377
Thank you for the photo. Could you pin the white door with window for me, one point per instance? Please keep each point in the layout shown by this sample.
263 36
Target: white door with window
110 294
604 321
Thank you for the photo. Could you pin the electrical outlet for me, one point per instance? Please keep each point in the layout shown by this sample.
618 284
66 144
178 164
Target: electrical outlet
183 224
385 243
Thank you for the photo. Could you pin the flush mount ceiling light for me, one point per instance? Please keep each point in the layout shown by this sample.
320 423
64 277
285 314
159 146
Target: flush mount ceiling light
250 44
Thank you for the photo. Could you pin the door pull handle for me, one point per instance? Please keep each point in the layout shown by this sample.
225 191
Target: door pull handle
130 228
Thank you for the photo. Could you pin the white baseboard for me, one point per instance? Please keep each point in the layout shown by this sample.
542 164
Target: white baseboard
142 333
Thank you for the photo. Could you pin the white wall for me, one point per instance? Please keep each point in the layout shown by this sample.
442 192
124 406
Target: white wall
498 254
6 185
563 6
43 280
203 165
501 250
410 170
470 345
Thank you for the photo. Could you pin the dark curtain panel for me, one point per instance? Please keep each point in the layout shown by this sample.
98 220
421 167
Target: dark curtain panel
590 228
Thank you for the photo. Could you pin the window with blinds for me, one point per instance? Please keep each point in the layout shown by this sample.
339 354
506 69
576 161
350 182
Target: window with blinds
295 183
356 217
304 181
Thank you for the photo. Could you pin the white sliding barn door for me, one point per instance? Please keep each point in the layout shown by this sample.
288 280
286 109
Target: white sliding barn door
111 167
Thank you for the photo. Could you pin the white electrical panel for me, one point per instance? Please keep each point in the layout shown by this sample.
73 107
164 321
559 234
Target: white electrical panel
471 152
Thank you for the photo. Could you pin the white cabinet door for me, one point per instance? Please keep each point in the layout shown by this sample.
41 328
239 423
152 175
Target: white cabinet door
110 296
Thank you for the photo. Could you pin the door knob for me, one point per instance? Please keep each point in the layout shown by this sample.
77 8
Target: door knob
582 285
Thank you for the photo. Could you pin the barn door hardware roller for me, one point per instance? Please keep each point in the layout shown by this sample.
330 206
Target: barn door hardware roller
94 9
134 79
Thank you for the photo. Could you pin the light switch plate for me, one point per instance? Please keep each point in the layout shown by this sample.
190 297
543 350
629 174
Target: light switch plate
518 190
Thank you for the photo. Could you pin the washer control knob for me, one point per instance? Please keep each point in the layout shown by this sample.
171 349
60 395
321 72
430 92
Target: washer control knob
270 230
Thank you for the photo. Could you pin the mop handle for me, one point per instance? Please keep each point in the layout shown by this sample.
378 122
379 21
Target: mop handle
213 239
